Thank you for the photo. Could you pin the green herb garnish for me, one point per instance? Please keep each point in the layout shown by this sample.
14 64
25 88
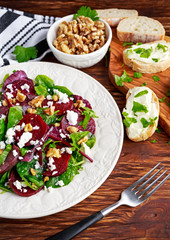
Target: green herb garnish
143 84
162 99
25 54
163 47
156 78
137 75
159 130
146 53
146 123
169 143
128 120
127 44
139 43
155 59
138 107
124 78
153 141
168 104
141 93
88 114
87 12
168 93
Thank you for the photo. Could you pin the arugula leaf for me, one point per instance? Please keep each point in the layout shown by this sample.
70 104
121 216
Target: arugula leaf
124 78
48 119
5 153
145 123
163 47
138 107
25 54
88 114
14 116
127 44
155 59
162 99
75 137
87 12
141 93
137 75
143 84
156 78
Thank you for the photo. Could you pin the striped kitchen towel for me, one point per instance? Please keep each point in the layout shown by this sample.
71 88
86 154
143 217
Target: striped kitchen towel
24 29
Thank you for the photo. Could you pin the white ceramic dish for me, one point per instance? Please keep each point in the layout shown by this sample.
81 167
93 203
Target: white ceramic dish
109 140
78 61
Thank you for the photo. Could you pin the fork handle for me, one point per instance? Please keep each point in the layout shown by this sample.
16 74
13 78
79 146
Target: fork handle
77 228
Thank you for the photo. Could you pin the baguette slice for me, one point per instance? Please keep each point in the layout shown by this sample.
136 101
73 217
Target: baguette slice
140 29
113 16
141 134
145 65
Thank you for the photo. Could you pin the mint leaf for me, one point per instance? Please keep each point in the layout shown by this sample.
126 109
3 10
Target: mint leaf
87 12
25 54
141 93
163 47
156 78
127 44
137 75
137 107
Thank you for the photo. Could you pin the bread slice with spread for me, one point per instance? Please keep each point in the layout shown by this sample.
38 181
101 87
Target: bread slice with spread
113 15
141 113
149 57
140 29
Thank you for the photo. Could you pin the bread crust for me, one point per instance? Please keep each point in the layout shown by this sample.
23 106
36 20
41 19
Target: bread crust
142 67
152 128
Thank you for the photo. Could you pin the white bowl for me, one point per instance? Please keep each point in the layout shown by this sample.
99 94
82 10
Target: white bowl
78 61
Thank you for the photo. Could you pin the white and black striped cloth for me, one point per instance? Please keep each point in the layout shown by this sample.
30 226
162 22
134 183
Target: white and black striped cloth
24 29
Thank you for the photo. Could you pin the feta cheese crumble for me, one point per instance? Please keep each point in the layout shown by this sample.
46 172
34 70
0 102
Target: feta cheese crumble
37 165
25 87
49 97
10 135
60 183
32 142
2 145
50 164
72 117
14 152
9 86
19 185
2 117
9 95
25 137
63 97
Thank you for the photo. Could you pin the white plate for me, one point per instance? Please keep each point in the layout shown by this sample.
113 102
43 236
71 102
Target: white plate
109 140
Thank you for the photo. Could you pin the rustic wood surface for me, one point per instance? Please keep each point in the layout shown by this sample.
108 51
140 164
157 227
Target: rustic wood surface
116 66
151 220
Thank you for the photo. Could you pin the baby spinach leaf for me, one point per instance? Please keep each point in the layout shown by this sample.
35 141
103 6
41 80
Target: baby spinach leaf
2 129
63 90
41 90
75 137
44 81
91 141
14 116
88 114
47 118
138 107
5 153
4 182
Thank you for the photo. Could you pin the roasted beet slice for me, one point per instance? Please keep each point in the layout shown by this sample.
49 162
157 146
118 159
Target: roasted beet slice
25 191
62 107
11 160
39 128
91 126
85 101
4 110
60 164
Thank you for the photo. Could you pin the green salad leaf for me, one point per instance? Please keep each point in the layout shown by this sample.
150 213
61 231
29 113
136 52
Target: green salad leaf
25 54
146 123
63 90
2 129
128 120
87 12
5 153
14 116
88 114
138 107
4 185
47 118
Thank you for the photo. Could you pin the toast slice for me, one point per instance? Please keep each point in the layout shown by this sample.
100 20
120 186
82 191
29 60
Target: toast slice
157 61
140 29
113 16
137 131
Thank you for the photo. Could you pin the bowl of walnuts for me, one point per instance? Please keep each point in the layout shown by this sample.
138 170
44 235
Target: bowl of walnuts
79 41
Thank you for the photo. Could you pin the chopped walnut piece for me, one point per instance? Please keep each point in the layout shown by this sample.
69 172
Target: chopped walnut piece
36 102
46 179
1 151
28 127
84 139
10 100
33 185
49 111
14 100
4 103
79 104
72 129
33 171
57 124
55 98
20 96
31 110
54 152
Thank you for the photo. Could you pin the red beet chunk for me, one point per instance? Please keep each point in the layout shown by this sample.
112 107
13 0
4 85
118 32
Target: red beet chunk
61 164
62 107
23 193
4 110
10 161
91 126
85 101
36 121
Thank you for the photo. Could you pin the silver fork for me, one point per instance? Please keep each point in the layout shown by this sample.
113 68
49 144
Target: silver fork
132 196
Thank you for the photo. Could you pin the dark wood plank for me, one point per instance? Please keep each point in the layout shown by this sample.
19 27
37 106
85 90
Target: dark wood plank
151 219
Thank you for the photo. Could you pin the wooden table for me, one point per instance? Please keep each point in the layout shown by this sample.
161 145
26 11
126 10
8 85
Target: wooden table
151 220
